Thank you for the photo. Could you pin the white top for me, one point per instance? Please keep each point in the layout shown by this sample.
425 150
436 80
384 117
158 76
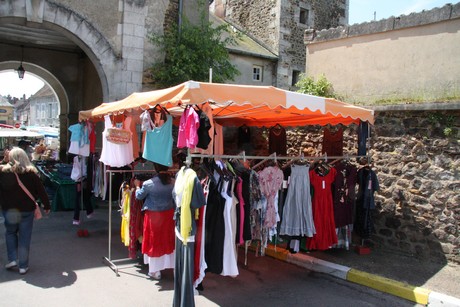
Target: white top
115 155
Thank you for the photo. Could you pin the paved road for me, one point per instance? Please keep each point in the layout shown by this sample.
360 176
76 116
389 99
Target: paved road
66 270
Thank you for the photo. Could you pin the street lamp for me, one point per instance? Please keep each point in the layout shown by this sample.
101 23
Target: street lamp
21 71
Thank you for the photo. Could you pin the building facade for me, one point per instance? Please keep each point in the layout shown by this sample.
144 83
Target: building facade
6 112
44 108
279 26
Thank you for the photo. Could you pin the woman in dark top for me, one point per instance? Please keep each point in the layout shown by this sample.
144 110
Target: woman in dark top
18 208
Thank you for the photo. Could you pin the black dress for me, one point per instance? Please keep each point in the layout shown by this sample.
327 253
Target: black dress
214 228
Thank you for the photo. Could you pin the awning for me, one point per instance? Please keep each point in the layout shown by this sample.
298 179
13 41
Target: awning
240 104
18 133
45 131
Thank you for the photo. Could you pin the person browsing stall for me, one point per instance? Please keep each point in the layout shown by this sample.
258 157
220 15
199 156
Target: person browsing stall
17 206
158 243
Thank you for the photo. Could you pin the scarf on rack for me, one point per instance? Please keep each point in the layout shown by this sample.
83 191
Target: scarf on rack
183 189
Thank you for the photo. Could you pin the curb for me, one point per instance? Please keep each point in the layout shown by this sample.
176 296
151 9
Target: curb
416 294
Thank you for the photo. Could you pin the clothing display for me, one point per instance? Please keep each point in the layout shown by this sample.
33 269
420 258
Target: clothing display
188 196
203 130
158 143
323 210
79 139
112 154
244 139
363 135
333 142
365 204
270 180
277 141
188 129
344 193
297 214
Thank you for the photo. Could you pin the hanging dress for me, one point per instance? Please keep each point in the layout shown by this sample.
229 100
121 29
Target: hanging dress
365 202
323 211
297 211
115 155
125 209
229 265
270 180
214 228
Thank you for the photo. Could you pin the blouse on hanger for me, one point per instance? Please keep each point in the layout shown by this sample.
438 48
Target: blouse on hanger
158 144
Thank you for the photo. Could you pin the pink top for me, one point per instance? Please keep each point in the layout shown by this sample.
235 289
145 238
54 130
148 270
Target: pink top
188 126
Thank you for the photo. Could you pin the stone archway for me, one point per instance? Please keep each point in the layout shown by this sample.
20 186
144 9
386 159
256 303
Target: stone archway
80 64
47 15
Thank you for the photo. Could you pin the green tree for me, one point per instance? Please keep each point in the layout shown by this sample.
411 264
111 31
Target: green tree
190 51
321 87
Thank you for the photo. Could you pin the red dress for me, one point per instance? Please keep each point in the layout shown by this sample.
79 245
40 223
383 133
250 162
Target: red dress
323 211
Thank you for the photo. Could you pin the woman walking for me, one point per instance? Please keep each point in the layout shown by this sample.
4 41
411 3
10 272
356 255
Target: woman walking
18 207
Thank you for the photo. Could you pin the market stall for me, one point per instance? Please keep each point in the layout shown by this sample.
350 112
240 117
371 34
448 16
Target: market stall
230 105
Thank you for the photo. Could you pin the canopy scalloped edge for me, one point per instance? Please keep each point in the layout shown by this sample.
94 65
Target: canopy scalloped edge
238 104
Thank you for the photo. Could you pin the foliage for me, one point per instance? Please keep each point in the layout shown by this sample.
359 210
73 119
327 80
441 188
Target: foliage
445 120
190 50
321 87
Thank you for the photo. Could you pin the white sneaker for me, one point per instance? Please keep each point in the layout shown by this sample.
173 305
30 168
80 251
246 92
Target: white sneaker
155 275
76 222
23 271
11 265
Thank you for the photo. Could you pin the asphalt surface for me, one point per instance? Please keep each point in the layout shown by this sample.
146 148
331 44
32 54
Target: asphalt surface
67 270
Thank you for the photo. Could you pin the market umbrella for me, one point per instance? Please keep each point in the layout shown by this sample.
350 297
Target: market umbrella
240 104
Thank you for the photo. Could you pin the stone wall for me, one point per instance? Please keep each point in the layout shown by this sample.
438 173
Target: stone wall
418 205
418 167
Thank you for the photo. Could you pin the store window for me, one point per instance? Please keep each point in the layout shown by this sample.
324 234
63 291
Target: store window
257 73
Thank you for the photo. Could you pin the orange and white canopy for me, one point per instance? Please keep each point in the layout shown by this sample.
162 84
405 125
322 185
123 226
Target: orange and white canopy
234 105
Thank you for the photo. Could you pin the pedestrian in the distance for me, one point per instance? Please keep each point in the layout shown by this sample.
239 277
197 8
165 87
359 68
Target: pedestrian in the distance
158 241
17 206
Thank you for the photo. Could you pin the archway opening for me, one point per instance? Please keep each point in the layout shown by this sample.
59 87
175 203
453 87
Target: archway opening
32 105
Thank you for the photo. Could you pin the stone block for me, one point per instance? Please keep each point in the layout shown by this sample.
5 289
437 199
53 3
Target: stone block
455 11
133 53
134 65
133 18
331 34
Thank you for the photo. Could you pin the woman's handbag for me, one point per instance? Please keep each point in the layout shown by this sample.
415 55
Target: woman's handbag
37 212
118 135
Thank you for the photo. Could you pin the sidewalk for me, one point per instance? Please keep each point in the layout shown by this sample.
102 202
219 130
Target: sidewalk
423 282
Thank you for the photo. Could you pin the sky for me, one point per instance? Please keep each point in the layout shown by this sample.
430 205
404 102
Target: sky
363 10
11 85
359 11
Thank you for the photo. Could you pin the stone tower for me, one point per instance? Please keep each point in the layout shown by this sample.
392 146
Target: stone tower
280 25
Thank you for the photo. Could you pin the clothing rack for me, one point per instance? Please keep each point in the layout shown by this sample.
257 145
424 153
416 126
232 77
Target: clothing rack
275 158
108 259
